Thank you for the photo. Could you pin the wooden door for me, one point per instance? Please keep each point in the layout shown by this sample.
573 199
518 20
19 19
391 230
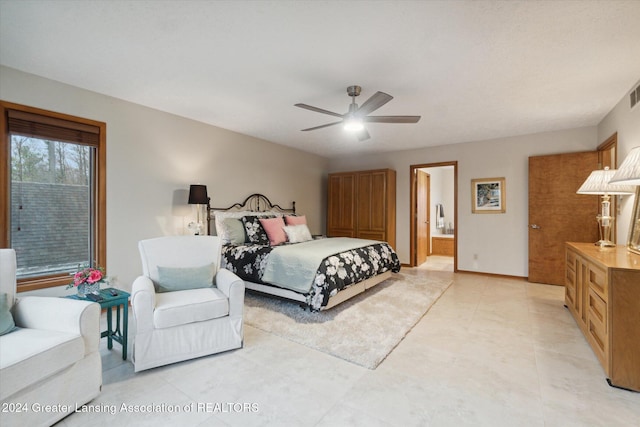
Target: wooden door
423 228
341 205
557 214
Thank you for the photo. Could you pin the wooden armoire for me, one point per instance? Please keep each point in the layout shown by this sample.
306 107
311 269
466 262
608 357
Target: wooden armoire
362 204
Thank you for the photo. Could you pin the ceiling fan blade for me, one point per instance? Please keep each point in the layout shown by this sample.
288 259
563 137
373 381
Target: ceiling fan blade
363 135
322 126
376 101
318 110
391 119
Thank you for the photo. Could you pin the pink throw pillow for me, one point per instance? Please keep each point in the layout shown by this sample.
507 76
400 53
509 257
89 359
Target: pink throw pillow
295 220
274 228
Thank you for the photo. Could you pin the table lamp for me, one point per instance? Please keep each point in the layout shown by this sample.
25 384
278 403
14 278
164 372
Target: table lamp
599 183
629 174
198 196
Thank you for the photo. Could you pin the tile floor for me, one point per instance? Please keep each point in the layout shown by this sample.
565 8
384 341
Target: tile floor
437 263
490 352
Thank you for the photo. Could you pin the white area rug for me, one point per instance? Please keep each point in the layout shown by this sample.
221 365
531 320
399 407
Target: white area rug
362 330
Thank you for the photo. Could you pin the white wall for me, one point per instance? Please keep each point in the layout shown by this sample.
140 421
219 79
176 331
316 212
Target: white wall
627 123
499 240
153 156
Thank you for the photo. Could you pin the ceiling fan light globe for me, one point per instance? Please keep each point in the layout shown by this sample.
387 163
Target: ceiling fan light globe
353 125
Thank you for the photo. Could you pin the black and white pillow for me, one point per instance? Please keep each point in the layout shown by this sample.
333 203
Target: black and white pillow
255 231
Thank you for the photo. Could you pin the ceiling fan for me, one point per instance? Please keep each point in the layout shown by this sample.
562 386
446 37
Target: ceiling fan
355 118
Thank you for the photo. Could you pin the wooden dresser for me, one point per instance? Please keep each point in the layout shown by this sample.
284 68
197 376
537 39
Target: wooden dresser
362 204
603 295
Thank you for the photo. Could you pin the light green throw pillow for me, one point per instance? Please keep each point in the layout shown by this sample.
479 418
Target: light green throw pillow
234 230
180 278
6 319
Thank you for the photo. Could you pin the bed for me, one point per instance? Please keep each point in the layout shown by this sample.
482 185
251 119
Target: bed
272 250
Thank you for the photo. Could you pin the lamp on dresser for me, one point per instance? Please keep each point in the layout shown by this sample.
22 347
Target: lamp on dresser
198 196
599 183
629 170
629 174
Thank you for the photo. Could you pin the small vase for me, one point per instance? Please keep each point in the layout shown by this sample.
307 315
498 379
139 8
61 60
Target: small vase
88 288
82 290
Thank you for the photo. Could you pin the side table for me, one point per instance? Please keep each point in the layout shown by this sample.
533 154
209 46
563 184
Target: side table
113 332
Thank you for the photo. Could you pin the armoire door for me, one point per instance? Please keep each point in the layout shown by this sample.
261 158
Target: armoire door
341 205
372 205
557 214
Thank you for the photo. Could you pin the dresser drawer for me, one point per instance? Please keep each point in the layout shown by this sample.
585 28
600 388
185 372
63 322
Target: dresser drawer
597 279
597 325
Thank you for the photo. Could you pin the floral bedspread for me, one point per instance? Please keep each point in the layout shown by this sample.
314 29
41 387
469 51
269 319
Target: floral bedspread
334 273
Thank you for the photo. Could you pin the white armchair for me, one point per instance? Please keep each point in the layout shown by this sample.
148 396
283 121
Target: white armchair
185 306
51 358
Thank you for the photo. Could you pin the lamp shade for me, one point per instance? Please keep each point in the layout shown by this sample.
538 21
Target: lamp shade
198 195
629 171
599 183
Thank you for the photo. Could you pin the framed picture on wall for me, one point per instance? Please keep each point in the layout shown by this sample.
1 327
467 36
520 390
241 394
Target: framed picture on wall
634 230
488 195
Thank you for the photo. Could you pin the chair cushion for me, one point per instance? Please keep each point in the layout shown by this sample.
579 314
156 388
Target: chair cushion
6 319
172 279
194 305
30 355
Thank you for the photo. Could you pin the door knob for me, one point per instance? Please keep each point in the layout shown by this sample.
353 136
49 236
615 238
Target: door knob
535 226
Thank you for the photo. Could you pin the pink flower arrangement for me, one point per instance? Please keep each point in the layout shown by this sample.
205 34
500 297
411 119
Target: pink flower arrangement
88 275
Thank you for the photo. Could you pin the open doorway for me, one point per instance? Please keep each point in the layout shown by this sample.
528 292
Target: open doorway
434 215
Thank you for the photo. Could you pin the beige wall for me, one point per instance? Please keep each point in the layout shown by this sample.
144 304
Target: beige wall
153 156
626 122
486 243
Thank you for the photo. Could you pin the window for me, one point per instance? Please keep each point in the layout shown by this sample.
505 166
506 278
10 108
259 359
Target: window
54 189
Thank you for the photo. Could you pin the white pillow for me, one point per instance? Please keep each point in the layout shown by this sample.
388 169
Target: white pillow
297 233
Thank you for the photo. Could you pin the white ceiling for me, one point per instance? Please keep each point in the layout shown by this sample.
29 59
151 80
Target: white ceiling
472 69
